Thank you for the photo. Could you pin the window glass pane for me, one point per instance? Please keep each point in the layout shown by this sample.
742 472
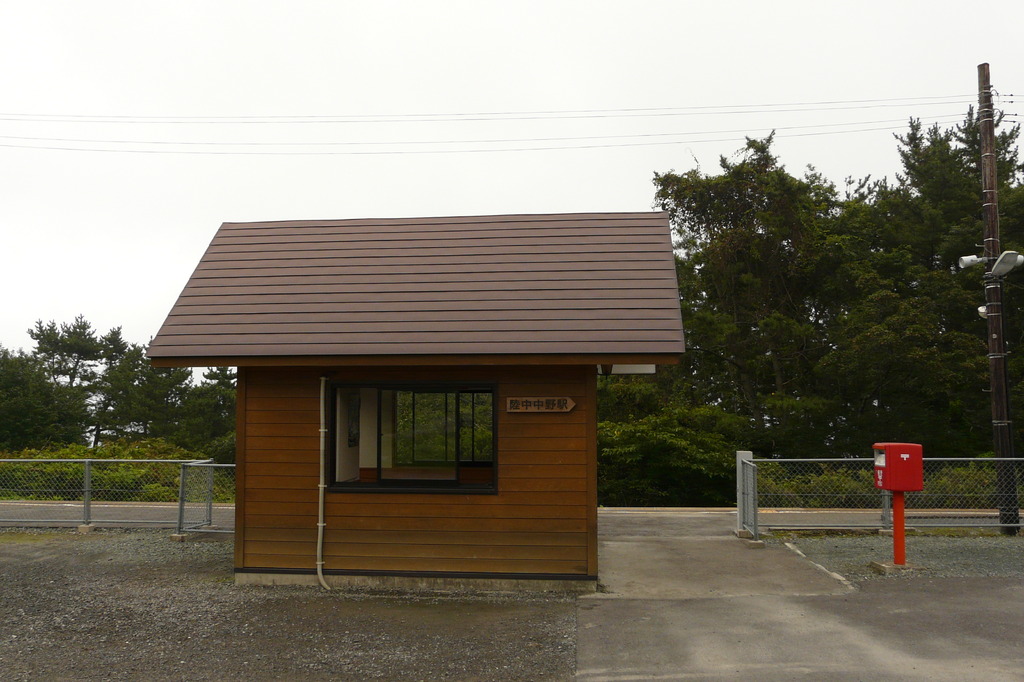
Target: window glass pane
476 415
388 425
347 434
424 436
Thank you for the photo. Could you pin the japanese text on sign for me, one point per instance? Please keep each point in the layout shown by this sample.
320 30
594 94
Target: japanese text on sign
540 405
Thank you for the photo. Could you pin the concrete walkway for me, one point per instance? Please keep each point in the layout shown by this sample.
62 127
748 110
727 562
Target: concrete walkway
685 600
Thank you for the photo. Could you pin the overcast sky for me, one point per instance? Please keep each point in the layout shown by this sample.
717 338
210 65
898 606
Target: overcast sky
390 109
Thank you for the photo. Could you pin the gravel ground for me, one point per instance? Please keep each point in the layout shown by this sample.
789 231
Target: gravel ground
130 604
963 554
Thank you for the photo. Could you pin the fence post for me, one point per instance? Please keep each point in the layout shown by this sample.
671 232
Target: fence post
209 494
886 509
87 493
181 499
742 494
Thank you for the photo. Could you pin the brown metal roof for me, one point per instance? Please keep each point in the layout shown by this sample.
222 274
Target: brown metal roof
592 284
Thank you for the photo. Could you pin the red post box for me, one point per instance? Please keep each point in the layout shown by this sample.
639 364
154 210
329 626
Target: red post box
898 466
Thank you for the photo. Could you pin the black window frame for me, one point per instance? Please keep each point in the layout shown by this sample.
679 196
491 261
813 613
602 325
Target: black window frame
382 485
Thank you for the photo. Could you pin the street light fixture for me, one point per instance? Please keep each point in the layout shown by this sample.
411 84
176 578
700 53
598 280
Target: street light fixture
968 261
1007 261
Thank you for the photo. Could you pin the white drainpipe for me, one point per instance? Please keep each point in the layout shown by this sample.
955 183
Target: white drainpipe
323 485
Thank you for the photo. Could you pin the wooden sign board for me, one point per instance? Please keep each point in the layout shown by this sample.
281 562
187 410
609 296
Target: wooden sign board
539 405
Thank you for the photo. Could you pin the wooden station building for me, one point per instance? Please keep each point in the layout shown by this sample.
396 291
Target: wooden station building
417 396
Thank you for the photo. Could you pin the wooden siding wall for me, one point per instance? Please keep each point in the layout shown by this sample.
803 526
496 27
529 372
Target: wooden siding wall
542 521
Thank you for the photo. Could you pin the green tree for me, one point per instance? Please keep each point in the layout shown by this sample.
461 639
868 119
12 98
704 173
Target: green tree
107 383
752 272
106 389
207 422
68 352
146 401
828 323
34 411
907 351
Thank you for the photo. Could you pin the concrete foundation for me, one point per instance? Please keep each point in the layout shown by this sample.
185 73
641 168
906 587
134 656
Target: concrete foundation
419 583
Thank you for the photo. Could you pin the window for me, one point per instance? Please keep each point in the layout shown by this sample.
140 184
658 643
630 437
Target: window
412 436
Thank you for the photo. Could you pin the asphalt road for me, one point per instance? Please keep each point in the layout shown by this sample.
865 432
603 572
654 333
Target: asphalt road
684 600
143 514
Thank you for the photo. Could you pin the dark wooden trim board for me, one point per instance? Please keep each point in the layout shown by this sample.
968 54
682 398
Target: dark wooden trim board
415 360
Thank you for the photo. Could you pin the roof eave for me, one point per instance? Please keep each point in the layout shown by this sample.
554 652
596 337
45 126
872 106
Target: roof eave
419 360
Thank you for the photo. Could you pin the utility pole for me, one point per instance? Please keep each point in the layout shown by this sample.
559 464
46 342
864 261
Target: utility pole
1002 427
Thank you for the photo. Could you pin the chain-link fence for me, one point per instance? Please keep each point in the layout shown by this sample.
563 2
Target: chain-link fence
207 498
61 492
840 493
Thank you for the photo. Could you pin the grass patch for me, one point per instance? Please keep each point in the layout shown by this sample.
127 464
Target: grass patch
955 532
820 533
948 532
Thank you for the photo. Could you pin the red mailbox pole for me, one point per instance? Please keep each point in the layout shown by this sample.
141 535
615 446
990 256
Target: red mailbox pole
899 536
899 467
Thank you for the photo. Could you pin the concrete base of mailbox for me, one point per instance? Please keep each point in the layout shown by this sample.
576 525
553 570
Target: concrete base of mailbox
887 532
892 569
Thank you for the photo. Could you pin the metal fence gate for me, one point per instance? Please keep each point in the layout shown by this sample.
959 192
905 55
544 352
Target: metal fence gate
206 497
746 494
840 493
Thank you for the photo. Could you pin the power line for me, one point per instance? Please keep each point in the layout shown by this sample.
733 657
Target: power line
833 105
468 141
424 151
